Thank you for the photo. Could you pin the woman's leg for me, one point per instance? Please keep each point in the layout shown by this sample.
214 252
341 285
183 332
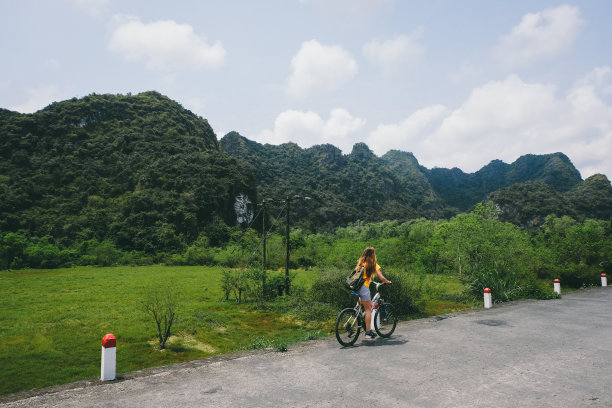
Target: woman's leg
367 305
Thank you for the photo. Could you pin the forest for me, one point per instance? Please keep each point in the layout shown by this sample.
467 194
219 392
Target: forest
138 180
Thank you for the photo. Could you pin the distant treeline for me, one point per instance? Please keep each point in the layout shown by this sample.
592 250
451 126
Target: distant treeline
476 246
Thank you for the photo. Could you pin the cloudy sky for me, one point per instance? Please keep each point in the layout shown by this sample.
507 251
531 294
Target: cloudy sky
457 83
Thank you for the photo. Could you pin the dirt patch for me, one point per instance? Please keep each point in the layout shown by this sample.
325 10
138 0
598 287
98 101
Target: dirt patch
185 341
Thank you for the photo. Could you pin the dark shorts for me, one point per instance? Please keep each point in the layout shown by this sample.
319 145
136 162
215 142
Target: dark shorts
364 293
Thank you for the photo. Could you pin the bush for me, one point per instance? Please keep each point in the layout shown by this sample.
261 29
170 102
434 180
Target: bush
275 286
12 246
99 253
405 292
506 286
330 288
579 275
161 304
45 254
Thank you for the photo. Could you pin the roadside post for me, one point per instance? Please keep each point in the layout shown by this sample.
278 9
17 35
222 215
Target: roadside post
604 280
557 286
488 303
109 357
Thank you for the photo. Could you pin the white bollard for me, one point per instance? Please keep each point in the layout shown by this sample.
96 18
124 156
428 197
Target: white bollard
557 286
604 280
109 357
488 303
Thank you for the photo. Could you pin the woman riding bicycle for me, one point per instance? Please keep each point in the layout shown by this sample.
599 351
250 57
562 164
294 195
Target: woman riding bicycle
368 261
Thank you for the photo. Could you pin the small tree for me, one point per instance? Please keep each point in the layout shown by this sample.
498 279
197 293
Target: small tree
162 304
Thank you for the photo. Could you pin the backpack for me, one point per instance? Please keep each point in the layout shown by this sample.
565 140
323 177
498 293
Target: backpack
355 279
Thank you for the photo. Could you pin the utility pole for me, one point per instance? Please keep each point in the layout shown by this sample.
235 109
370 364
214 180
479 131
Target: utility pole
287 203
287 283
263 224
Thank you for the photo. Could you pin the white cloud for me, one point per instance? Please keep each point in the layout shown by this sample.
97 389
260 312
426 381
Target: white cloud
500 105
38 98
540 36
465 72
318 67
509 118
164 45
307 128
501 119
402 135
396 56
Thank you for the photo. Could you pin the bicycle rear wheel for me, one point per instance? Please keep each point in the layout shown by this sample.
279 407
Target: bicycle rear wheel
385 320
348 326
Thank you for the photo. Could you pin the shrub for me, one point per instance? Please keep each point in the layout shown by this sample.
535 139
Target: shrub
99 253
405 292
45 254
330 288
579 275
162 304
507 285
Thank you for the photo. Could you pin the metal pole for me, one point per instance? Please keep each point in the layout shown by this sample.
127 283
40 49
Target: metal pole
263 222
287 250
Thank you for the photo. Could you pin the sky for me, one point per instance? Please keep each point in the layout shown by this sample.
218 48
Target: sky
456 83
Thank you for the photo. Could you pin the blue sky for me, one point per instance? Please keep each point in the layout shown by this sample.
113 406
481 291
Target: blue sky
457 83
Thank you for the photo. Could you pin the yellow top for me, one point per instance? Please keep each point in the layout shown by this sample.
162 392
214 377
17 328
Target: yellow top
367 281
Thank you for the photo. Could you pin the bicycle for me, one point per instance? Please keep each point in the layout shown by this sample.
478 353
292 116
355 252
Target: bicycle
351 320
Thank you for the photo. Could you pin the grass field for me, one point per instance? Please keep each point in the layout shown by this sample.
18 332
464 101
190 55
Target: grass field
52 321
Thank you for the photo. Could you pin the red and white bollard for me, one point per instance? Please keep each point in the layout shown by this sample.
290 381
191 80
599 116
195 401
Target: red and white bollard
109 357
557 286
604 280
488 302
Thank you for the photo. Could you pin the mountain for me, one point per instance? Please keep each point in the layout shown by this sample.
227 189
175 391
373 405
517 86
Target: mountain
528 204
139 170
342 188
360 186
463 190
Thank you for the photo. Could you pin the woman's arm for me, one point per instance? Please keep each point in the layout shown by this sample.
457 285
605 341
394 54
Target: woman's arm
381 277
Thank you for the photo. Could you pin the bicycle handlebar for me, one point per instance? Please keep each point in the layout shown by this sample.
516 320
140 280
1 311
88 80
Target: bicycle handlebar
379 284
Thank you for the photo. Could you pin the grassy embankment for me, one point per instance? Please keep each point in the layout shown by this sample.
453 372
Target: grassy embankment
52 321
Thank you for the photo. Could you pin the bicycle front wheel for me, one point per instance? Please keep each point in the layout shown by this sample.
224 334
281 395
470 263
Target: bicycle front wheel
385 320
348 326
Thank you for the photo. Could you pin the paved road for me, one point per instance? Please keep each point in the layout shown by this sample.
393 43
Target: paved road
555 353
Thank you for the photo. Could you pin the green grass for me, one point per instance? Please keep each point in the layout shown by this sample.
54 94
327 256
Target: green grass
52 321
446 294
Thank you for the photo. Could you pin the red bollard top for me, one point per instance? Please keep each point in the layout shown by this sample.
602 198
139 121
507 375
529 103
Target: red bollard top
109 341
487 290
603 275
557 281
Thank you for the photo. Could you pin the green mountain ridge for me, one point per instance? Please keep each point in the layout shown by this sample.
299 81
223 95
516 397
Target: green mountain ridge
404 189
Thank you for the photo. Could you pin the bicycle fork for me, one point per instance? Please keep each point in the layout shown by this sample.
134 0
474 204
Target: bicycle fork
372 314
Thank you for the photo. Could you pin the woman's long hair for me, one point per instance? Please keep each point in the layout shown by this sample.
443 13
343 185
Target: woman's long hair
368 260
